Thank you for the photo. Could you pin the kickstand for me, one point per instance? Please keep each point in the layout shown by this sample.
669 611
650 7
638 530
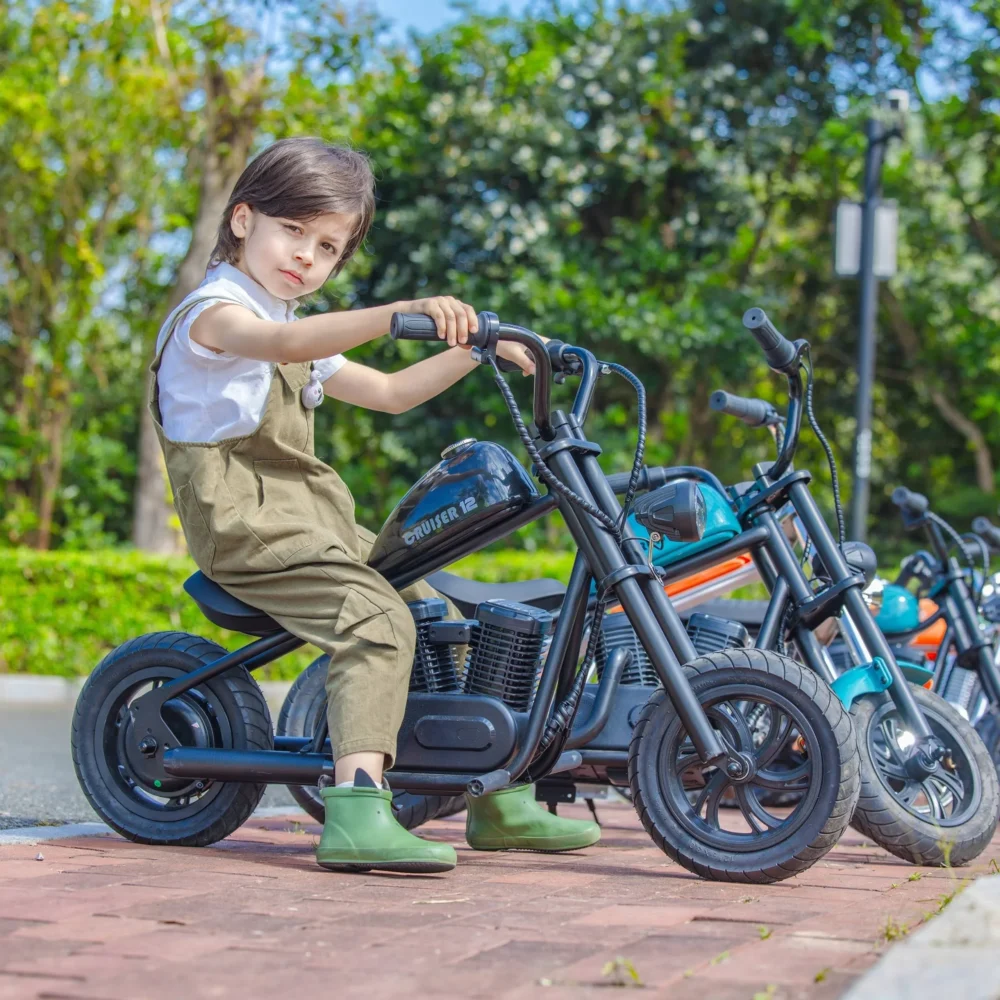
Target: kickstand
552 807
593 810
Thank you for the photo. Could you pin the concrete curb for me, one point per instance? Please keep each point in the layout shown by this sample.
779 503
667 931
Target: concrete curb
41 834
29 689
952 955
16 689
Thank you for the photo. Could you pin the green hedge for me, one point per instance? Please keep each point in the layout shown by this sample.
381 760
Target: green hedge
60 612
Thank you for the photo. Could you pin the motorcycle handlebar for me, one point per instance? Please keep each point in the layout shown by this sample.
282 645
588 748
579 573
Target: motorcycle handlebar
753 412
780 353
417 326
987 531
914 504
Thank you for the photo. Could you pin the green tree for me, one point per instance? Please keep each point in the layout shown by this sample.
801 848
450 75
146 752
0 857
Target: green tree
80 127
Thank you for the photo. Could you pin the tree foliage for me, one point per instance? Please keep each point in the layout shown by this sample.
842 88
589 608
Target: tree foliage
628 177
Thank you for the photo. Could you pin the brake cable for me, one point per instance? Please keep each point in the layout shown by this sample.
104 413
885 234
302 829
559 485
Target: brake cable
966 557
546 475
640 446
563 716
831 461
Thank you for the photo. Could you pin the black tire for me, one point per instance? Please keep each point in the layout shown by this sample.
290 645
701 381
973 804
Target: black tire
796 701
941 821
303 709
227 711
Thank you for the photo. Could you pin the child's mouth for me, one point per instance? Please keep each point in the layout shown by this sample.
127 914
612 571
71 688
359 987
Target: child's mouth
293 277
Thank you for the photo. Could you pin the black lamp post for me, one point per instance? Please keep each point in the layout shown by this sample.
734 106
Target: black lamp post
878 135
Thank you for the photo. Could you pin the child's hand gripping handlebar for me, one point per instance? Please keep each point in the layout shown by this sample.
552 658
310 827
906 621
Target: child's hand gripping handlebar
417 326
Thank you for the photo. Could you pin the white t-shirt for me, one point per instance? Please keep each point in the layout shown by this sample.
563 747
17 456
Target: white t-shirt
207 397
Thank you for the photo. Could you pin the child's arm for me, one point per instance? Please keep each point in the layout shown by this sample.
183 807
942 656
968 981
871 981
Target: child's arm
405 389
233 329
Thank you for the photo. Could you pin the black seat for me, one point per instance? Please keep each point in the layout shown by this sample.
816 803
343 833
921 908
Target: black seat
467 595
221 608
749 613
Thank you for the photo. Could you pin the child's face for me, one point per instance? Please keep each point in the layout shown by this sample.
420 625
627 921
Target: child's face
288 257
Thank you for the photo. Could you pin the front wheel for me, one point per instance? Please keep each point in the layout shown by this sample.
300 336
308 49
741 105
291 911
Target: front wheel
946 818
761 705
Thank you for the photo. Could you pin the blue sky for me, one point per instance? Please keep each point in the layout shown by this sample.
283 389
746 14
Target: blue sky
427 15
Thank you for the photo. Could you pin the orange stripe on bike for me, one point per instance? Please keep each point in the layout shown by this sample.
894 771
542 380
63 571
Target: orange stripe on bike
697 579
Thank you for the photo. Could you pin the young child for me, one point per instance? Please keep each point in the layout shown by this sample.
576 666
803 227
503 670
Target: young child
272 524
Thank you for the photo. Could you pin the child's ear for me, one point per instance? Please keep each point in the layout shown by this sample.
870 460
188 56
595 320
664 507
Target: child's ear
239 221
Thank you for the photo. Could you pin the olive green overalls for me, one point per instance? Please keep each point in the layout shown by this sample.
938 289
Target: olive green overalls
274 526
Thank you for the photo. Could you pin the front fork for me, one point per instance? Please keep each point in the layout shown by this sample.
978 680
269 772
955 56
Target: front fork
623 570
927 750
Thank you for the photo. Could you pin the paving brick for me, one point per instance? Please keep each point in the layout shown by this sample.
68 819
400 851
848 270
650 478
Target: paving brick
101 919
640 917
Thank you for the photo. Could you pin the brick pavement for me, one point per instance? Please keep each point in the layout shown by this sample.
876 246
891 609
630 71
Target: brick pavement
102 918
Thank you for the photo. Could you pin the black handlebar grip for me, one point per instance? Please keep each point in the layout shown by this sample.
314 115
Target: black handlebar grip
412 326
907 500
753 412
779 352
987 530
417 326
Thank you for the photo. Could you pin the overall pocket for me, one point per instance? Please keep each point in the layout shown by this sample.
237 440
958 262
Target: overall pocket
280 485
286 520
199 539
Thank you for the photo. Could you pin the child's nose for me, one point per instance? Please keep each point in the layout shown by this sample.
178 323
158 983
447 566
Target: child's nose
305 256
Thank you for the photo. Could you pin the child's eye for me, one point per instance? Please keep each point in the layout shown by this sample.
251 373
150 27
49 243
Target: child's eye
292 228
329 248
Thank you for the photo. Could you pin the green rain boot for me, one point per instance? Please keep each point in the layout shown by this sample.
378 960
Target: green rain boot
511 820
361 834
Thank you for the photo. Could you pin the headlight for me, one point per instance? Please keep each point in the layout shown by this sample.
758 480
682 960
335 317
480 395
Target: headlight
873 594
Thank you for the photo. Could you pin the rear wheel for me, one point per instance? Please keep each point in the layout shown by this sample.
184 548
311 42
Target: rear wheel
946 818
228 711
304 712
678 797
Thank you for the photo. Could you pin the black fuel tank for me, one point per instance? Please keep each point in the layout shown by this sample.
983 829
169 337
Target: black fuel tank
476 484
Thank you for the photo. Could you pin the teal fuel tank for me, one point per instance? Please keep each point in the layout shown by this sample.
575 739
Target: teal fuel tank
900 611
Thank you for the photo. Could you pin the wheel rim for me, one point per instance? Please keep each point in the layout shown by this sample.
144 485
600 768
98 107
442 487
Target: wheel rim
753 826
947 798
195 718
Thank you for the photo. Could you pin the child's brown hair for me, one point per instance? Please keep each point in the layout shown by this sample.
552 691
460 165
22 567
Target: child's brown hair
300 179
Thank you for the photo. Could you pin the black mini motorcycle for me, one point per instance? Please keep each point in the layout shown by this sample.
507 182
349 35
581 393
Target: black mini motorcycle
172 739
929 794
954 574
929 791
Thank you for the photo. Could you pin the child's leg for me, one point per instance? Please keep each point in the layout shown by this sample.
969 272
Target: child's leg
353 614
417 592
